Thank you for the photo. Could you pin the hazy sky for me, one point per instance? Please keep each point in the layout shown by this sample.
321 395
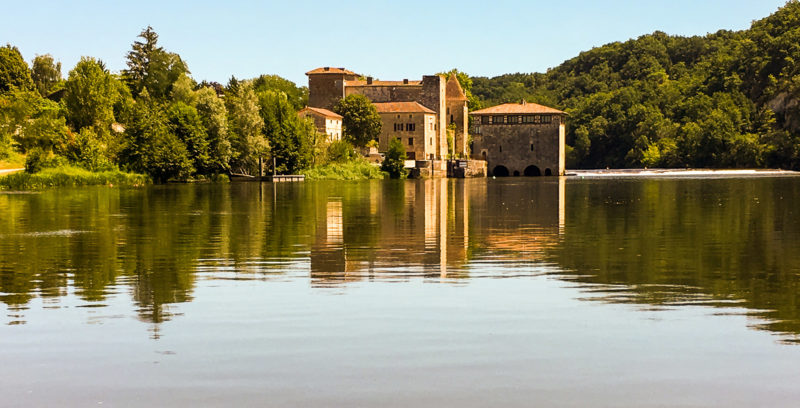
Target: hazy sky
389 40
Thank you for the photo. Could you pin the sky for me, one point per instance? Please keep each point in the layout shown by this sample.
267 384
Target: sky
389 40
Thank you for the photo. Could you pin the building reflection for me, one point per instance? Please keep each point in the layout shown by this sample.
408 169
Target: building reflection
432 228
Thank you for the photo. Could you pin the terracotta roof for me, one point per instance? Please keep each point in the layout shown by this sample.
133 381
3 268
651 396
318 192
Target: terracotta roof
383 83
401 107
454 92
324 112
330 70
517 108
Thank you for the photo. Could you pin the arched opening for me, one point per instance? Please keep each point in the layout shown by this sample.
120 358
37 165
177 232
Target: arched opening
548 172
532 171
500 171
516 173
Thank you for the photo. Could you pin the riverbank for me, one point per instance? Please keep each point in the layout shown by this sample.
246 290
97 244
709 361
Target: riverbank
68 176
354 170
616 173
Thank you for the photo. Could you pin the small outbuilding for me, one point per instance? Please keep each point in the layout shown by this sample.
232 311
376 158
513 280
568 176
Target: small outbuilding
327 122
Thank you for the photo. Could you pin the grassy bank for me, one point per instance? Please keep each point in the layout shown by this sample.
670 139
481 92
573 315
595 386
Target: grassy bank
354 170
69 176
13 160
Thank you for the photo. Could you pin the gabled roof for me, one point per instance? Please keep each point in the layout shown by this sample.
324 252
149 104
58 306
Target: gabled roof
454 92
330 70
511 108
322 112
401 107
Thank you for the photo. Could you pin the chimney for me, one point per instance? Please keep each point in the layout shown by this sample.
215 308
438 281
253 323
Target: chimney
524 102
369 80
327 68
405 81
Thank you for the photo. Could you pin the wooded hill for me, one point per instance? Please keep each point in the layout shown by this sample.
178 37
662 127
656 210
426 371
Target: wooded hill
727 99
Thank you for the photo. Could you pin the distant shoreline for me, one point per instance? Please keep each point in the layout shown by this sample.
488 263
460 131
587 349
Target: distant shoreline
681 173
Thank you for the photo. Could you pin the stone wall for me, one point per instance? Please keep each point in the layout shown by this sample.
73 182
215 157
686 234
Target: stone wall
324 90
522 149
423 135
457 113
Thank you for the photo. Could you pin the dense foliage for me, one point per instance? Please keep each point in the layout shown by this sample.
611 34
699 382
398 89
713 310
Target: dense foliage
361 122
394 162
728 99
152 118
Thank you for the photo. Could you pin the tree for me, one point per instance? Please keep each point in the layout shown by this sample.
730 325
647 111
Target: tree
215 120
246 127
150 146
14 70
394 162
151 67
361 121
291 139
186 124
90 95
46 74
297 96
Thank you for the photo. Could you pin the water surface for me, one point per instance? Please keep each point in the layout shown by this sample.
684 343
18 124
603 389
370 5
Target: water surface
514 292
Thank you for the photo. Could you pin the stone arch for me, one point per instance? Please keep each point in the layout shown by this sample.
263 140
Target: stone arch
532 171
500 171
548 172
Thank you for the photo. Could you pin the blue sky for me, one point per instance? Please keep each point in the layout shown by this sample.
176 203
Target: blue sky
389 40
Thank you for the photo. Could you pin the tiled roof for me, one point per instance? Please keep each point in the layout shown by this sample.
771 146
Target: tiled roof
512 108
383 83
330 70
324 112
454 92
401 107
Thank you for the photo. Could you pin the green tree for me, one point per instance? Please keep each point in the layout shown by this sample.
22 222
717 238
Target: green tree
151 147
297 96
394 162
361 121
14 70
291 139
151 67
215 120
46 74
90 95
187 125
246 127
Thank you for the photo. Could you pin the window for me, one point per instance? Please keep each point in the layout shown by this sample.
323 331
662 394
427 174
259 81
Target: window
531 146
537 118
498 120
527 119
452 120
513 119
431 141
410 127
501 148
547 118
484 120
398 127
411 141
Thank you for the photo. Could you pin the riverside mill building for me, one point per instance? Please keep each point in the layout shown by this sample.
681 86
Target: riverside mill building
507 140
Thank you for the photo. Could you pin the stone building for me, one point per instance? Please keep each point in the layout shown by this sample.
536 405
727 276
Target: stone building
413 124
520 139
327 122
327 85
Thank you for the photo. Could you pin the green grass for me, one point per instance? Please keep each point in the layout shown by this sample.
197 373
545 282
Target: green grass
67 176
354 170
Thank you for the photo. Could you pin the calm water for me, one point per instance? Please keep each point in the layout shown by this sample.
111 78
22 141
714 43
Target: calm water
514 292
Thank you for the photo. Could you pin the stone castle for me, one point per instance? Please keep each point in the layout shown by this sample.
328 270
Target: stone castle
419 113
431 118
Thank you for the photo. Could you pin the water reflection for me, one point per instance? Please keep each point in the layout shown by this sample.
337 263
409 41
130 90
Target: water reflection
727 243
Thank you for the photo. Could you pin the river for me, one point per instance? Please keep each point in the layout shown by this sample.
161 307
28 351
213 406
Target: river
619 292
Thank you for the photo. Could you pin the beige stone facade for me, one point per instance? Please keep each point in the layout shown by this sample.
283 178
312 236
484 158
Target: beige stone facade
439 95
412 123
520 139
326 122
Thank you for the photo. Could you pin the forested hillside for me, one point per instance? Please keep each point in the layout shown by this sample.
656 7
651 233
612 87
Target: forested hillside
727 99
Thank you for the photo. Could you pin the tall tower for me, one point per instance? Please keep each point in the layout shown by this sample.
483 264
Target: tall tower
326 86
